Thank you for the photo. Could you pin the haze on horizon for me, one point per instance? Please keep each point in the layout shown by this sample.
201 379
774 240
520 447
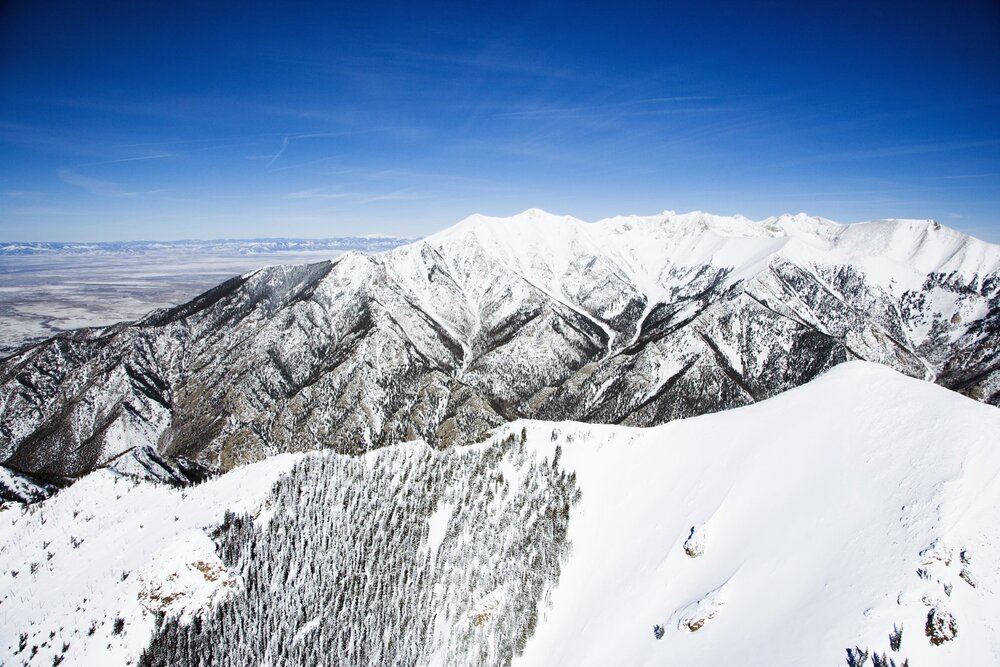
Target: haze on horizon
224 120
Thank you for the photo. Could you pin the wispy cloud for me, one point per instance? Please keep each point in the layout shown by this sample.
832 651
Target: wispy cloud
44 210
415 64
902 189
894 151
321 194
307 163
398 195
229 140
329 193
605 111
98 186
956 177
139 158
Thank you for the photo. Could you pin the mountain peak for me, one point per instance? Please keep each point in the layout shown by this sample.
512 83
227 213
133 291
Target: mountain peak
535 214
532 220
538 238
527 215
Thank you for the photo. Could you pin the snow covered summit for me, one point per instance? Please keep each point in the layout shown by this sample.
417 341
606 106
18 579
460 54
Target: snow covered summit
697 237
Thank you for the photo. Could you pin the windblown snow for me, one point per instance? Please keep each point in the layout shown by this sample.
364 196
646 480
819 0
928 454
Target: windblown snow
855 513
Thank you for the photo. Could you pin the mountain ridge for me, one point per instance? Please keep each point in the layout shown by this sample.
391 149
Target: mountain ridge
628 320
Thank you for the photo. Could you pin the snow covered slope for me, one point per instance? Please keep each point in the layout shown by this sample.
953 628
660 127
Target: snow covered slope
783 533
111 548
630 320
828 516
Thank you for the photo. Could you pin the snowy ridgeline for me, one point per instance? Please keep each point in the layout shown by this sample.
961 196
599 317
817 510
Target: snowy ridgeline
852 517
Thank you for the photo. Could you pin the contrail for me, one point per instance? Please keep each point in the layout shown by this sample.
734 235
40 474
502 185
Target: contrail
284 145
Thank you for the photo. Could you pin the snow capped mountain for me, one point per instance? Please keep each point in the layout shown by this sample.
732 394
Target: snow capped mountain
854 515
632 320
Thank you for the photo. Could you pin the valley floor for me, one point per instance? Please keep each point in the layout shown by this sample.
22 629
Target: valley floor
41 296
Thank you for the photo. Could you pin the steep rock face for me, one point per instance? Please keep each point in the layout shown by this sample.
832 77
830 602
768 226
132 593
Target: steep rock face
635 320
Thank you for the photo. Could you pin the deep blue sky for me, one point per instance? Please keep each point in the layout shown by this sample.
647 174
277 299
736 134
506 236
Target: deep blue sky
195 120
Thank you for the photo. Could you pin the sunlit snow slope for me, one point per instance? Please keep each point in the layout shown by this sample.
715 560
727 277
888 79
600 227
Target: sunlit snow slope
828 515
783 533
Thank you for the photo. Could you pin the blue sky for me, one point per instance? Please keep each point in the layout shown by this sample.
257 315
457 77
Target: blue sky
207 120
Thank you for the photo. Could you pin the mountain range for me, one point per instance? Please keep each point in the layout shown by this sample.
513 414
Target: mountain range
633 320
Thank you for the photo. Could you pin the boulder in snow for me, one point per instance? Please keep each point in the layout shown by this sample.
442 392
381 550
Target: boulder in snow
941 626
694 545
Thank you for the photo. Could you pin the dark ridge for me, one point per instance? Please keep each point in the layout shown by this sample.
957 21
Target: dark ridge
723 363
660 393
199 303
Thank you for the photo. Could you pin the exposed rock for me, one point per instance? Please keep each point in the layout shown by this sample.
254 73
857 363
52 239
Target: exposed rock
938 551
694 545
694 616
967 577
941 626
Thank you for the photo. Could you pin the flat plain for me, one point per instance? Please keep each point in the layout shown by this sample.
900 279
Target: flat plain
43 295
